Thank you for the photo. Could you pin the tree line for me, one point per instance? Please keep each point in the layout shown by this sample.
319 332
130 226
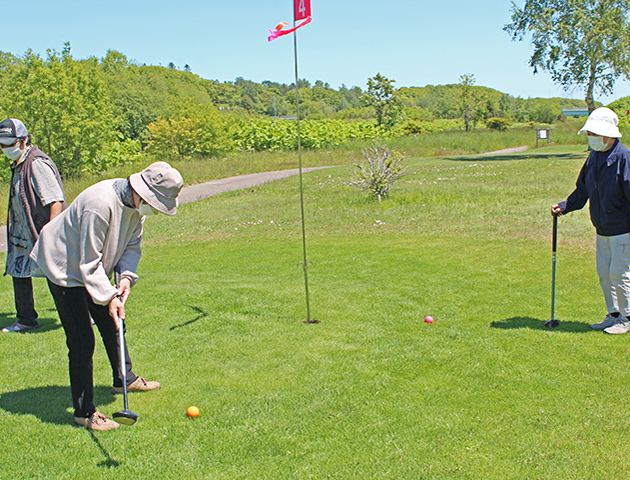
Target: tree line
94 113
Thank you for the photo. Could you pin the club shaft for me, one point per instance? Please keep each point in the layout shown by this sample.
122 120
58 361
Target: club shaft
123 360
554 245
553 285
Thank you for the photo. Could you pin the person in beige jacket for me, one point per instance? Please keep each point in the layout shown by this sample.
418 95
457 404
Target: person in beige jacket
98 237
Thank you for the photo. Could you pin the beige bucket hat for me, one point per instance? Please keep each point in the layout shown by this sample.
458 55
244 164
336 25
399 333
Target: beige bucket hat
159 185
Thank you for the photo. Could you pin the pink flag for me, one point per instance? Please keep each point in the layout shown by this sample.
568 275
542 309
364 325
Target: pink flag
301 9
278 32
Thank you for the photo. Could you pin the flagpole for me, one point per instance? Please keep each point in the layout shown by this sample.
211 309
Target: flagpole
305 262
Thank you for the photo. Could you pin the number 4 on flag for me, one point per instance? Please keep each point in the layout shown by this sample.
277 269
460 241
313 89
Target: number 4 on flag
302 9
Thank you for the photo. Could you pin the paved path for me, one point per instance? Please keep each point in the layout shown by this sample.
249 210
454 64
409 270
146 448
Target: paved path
507 150
200 191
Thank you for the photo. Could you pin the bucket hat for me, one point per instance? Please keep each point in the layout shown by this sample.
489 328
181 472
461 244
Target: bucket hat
602 121
159 185
10 130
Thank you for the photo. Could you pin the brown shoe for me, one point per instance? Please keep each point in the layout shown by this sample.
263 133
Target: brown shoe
139 385
97 421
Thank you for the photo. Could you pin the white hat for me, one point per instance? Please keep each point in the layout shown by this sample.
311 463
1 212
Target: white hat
159 185
602 121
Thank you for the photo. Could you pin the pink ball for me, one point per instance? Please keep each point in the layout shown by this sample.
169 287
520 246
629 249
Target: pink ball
428 319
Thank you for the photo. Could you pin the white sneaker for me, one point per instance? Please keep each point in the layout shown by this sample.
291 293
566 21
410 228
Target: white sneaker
622 325
609 321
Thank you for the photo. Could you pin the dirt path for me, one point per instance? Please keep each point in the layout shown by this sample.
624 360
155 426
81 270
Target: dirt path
200 191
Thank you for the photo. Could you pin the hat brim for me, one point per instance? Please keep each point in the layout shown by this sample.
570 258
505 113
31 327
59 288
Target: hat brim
6 141
167 206
603 129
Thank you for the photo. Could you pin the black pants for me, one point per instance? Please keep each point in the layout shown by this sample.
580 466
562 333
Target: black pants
76 309
24 304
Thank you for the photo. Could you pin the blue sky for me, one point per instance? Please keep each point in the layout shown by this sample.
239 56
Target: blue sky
414 42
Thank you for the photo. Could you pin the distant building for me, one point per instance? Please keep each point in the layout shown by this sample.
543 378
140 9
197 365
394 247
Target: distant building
575 112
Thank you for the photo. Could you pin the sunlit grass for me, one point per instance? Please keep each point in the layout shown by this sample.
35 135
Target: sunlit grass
372 391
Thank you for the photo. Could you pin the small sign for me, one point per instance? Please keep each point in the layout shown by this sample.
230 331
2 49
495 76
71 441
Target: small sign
302 9
543 133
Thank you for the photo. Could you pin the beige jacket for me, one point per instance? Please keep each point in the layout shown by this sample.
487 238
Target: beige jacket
95 235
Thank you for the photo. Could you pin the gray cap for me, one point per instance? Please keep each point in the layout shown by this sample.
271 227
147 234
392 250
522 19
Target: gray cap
159 185
10 130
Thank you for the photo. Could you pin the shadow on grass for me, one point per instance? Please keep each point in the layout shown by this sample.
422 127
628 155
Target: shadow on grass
50 404
201 315
47 323
109 462
535 323
499 157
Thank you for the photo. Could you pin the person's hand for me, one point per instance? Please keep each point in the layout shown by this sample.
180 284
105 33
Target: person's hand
116 310
124 289
556 211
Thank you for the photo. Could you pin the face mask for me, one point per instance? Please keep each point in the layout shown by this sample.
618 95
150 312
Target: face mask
597 143
146 209
13 152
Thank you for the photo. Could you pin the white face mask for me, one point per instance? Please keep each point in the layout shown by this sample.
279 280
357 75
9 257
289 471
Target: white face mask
13 152
597 143
146 209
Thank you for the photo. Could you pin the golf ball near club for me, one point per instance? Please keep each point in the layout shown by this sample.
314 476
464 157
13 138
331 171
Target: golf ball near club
192 411
428 319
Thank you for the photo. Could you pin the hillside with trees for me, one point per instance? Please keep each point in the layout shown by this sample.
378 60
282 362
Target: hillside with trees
94 113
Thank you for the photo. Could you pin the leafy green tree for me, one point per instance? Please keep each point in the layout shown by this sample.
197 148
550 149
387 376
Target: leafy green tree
381 95
580 42
469 100
66 108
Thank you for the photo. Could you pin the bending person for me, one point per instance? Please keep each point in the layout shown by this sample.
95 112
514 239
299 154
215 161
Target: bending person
79 251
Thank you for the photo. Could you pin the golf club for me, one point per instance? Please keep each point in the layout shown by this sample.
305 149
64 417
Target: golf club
553 323
126 417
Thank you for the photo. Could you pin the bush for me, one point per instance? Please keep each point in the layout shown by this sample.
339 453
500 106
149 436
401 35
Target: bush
413 127
499 124
381 168
200 130
622 108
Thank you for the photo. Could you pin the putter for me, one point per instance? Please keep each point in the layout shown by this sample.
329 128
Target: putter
553 322
126 417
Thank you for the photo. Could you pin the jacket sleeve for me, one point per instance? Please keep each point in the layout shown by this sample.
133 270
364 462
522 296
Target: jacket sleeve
93 231
128 263
625 178
579 196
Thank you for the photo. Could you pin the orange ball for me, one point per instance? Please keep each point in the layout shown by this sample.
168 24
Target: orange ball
192 411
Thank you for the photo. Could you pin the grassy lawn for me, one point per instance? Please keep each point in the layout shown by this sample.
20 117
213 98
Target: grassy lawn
371 392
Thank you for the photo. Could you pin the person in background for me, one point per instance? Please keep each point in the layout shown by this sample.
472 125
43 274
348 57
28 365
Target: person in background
605 182
99 236
36 196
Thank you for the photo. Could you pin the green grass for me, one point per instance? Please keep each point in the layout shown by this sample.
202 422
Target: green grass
372 391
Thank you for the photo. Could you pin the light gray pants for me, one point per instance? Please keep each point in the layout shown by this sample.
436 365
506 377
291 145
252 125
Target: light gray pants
613 269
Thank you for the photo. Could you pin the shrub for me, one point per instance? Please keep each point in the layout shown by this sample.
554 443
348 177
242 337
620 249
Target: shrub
413 127
622 108
381 168
500 124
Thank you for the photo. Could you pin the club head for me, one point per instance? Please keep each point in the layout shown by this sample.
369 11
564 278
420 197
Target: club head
553 323
126 417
